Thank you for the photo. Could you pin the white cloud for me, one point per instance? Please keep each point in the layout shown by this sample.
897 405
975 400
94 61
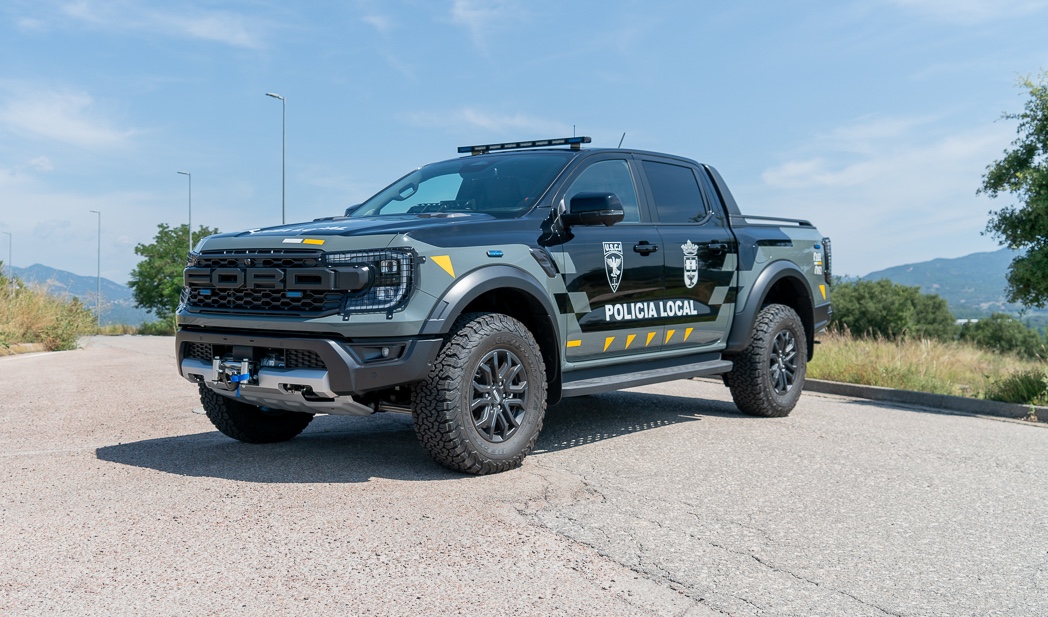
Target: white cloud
971 11
482 17
381 23
42 163
471 118
67 117
224 27
888 187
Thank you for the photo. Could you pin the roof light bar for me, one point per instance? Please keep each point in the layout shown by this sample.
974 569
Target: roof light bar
574 142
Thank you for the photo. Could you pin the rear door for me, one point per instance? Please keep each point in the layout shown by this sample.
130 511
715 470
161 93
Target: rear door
613 274
700 254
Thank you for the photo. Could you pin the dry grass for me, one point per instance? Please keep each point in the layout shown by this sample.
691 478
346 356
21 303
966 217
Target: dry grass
28 314
926 366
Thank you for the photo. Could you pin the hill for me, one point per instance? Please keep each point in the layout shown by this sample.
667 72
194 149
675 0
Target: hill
973 286
118 304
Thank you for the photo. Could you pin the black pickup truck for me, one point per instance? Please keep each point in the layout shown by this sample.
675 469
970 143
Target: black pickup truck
473 292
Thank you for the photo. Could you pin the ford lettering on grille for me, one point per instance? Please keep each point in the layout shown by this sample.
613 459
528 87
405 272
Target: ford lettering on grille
351 278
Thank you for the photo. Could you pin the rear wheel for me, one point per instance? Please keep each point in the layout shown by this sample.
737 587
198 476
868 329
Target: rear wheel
249 423
768 376
481 408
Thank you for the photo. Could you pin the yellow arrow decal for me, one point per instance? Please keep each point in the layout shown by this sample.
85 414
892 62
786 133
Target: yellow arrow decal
444 261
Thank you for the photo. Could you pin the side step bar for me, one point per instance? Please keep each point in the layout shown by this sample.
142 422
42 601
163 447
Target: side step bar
580 384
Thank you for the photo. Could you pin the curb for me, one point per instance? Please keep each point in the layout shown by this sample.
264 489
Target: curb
22 348
962 404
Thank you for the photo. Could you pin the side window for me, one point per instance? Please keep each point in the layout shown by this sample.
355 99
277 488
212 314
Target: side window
676 192
613 177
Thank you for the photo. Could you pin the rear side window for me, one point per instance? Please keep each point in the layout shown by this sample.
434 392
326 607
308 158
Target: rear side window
675 189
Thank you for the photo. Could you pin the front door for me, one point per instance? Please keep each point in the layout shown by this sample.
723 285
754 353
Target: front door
613 274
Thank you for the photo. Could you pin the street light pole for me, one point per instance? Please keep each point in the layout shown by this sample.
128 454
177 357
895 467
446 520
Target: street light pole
283 158
98 290
190 176
10 266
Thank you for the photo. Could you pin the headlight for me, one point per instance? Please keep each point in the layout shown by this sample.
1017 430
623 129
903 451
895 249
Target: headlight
392 275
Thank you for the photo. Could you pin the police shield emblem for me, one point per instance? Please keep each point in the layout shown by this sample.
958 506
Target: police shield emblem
691 263
613 264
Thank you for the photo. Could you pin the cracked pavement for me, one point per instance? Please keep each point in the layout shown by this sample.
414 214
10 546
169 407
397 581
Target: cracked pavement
117 499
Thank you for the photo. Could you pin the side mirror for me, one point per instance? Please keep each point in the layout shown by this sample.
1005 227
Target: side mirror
352 209
594 209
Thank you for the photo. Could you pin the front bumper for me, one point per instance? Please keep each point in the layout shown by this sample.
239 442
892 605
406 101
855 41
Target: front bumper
313 375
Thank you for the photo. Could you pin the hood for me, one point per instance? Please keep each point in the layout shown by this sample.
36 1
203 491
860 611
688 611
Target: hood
362 226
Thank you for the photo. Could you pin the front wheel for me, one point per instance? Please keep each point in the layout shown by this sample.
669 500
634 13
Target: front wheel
249 423
767 377
481 407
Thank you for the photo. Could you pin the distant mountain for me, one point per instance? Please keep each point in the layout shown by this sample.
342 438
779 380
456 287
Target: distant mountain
973 286
118 304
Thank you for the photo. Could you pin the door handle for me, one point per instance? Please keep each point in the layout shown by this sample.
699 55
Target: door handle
717 247
644 248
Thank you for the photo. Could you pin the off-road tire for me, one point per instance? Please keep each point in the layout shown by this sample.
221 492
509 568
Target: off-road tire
465 423
768 376
249 423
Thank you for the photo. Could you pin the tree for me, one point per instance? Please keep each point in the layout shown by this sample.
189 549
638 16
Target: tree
1002 332
157 280
1023 172
883 308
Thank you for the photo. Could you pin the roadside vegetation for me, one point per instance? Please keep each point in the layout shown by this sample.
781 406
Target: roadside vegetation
956 368
893 336
28 314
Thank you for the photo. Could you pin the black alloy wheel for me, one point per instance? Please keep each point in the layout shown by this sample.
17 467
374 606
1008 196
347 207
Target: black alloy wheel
499 395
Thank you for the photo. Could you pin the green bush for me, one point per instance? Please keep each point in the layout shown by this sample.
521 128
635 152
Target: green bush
1005 333
1024 387
161 327
886 309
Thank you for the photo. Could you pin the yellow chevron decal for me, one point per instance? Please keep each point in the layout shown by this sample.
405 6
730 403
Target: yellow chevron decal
669 335
822 290
574 343
687 333
444 261
629 340
651 335
608 341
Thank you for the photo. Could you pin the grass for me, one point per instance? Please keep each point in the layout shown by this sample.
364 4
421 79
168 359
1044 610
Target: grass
952 368
28 314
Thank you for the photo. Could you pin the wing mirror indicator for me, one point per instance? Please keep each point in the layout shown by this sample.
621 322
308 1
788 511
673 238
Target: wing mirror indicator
594 209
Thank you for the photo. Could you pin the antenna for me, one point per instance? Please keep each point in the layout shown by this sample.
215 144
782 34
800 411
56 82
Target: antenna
622 140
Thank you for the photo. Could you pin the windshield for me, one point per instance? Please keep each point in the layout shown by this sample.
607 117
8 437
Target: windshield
502 186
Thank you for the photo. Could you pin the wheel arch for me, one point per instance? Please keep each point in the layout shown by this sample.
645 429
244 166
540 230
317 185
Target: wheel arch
781 282
510 291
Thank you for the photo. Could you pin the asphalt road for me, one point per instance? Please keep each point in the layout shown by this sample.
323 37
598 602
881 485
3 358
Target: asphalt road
118 499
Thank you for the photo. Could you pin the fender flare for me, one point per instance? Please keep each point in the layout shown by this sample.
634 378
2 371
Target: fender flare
742 325
480 281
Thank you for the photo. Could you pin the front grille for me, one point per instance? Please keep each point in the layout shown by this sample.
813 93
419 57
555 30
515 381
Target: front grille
199 351
258 258
255 300
292 358
264 300
302 358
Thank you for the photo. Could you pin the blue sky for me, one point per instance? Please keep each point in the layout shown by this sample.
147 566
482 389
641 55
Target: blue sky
875 119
